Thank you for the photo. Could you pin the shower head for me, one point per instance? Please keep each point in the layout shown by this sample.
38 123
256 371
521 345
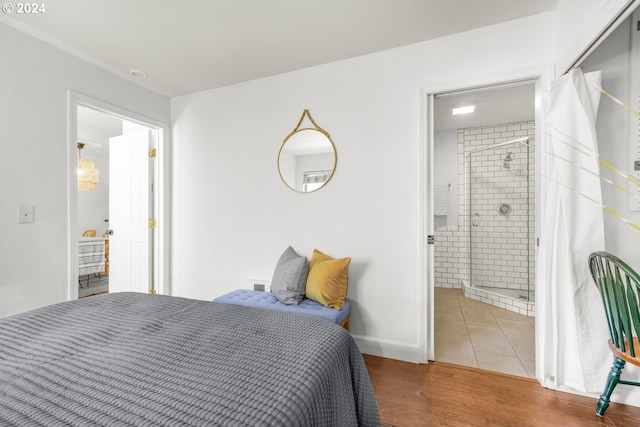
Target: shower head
507 161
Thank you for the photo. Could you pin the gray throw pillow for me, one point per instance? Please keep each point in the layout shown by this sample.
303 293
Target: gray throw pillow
290 277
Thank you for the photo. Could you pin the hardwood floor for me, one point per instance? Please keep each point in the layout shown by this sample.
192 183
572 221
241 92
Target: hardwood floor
441 394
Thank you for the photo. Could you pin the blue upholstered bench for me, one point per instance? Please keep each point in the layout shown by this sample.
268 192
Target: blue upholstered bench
269 301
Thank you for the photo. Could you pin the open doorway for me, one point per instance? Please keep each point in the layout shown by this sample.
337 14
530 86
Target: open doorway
115 205
95 129
483 227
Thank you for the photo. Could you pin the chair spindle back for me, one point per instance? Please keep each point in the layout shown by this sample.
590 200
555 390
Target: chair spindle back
619 287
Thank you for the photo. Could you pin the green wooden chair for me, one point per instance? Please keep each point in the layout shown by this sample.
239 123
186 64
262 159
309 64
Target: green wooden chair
619 287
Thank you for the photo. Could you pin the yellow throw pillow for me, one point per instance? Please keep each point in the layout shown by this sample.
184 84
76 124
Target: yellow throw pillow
328 279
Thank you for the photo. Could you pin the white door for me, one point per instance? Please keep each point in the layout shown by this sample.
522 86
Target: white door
129 212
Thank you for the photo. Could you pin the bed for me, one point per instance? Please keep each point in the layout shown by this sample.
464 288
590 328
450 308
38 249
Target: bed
155 360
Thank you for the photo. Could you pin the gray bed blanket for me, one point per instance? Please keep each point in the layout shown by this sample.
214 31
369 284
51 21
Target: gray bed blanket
154 360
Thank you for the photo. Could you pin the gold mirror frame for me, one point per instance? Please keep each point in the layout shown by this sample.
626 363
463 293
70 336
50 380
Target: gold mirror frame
311 145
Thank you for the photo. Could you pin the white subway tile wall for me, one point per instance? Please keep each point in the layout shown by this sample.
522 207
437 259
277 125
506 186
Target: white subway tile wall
496 251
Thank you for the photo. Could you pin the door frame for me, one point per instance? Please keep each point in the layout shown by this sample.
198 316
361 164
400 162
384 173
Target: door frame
161 239
426 158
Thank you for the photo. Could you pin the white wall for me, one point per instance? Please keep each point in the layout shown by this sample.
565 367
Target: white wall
233 216
34 160
579 22
612 58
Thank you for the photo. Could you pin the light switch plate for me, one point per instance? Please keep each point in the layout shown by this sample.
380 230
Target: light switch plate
25 214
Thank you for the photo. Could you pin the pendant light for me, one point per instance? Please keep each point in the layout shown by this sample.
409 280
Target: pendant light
88 175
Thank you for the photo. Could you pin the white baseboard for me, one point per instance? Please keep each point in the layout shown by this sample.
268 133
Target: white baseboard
625 394
391 350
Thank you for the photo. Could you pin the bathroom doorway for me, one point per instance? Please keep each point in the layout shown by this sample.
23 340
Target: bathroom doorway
484 215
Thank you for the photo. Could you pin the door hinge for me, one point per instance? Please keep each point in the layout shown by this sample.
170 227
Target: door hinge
431 239
152 223
153 152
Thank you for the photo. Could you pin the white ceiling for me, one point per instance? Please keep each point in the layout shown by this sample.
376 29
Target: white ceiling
509 103
94 130
188 46
193 45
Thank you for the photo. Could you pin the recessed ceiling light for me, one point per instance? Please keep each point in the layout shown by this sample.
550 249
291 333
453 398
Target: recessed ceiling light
138 74
463 110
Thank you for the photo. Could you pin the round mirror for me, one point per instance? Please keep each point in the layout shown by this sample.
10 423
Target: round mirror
307 160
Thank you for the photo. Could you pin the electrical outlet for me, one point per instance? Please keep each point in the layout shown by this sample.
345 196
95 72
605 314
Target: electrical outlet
25 214
258 284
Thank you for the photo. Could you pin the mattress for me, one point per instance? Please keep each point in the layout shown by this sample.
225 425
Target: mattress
154 360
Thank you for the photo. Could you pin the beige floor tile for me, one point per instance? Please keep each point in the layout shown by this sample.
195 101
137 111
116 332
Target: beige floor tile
530 367
501 313
526 352
481 316
456 349
472 333
517 330
490 340
504 364
447 304
521 336
447 291
450 323
468 302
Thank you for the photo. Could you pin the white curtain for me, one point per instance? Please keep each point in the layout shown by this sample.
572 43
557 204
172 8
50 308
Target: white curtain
572 350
